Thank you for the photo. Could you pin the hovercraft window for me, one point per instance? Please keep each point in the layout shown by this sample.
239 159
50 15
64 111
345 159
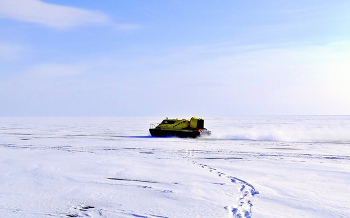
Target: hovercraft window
168 122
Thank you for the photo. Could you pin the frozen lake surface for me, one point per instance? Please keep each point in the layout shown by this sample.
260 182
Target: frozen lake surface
276 166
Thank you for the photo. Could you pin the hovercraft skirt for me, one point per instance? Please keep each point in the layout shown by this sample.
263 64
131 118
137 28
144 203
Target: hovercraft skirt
171 133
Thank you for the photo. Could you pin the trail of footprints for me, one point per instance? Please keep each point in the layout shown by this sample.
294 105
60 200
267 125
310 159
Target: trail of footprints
243 207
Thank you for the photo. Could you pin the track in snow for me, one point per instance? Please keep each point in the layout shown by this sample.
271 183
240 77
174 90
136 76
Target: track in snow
243 206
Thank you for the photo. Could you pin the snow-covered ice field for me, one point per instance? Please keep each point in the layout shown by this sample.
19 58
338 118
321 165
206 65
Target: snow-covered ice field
277 166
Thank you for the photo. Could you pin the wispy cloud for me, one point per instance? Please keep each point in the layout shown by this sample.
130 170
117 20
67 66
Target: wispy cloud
10 51
285 80
51 15
127 27
55 70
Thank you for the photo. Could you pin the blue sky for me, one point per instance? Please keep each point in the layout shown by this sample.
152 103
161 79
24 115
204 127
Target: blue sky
174 58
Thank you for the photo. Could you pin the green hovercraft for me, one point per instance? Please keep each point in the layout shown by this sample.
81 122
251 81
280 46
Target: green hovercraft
181 128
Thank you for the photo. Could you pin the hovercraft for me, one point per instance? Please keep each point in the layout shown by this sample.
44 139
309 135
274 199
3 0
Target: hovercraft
181 128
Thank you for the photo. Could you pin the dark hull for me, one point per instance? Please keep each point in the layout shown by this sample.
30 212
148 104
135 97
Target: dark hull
181 134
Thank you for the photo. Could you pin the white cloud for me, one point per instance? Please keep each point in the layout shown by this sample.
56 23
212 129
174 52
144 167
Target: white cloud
55 70
127 27
10 51
51 15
